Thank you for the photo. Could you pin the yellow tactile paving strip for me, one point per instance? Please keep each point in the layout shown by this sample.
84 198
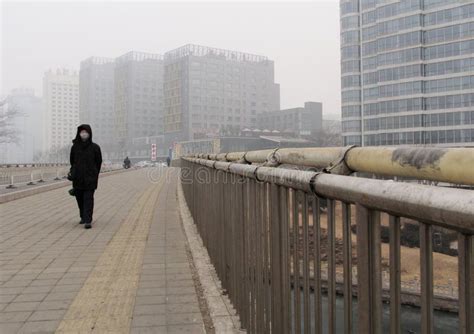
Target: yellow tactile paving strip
105 302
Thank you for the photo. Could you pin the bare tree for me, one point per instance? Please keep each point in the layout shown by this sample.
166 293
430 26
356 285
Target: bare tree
8 132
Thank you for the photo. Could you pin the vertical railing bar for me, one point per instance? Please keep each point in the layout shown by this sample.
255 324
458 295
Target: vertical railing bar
306 305
331 256
318 323
244 252
275 245
286 283
426 271
296 264
256 254
395 275
267 257
222 226
248 255
235 241
347 260
232 218
245 264
260 289
231 238
369 278
466 283
227 241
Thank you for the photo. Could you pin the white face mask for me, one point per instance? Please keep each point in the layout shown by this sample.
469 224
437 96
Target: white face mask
84 135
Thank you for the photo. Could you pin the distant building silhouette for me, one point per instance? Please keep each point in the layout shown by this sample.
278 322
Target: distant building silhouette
299 122
209 91
138 96
61 108
96 98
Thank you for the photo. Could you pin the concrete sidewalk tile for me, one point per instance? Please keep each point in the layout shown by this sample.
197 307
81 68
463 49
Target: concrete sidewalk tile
152 277
47 315
50 276
60 296
180 299
14 316
182 308
149 320
186 329
16 284
31 297
153 272
179 277
183 318
152 284
38 289
7 298
39 327
149 330
180 283
154 266
72 280
190 290
54 305
179 271
10 291
149 309
44 282
10 327
25 277
22 306
66 288
145 300
160 291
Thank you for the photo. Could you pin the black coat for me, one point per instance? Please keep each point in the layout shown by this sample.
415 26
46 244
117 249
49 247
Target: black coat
86 160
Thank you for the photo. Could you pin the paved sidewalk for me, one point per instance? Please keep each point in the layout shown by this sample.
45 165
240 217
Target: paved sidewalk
129 273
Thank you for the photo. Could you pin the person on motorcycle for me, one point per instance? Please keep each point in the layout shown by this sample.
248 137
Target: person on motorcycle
126 162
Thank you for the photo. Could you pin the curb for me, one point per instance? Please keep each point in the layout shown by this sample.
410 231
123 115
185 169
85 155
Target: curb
223 315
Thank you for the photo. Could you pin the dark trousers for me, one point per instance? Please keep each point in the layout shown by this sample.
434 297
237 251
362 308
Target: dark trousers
85 201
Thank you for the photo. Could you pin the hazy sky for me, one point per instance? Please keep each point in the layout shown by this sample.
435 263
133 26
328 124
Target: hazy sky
301 37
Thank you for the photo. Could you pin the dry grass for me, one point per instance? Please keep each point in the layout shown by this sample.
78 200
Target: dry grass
444 266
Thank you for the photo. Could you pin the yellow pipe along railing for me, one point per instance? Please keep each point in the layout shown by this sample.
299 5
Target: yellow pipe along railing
452 165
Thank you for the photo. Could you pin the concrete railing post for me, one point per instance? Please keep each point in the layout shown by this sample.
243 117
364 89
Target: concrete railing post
11 185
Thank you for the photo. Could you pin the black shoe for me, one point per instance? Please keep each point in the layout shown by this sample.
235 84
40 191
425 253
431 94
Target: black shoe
87 226
81 222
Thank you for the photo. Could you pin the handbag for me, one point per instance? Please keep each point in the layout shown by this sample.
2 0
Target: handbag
69 175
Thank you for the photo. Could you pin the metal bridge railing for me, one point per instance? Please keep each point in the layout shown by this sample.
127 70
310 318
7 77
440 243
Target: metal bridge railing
276 252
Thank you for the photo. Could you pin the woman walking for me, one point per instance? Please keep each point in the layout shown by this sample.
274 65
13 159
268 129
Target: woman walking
86 160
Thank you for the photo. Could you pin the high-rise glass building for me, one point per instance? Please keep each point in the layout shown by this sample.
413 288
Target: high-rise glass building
407 72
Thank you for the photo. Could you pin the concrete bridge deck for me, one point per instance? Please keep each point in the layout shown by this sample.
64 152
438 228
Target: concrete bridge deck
129 273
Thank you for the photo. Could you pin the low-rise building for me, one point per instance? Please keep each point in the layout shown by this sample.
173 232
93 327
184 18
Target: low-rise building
299 122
